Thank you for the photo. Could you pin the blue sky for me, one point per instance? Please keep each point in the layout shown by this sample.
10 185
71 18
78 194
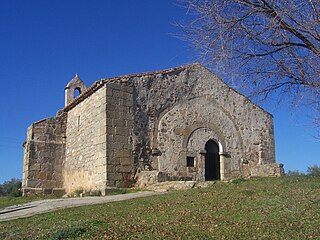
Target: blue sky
44 43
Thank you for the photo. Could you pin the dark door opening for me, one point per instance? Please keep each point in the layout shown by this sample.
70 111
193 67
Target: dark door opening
212 161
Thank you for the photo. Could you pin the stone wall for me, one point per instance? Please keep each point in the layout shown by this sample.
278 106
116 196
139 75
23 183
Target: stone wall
272 170
99 143
85 167
123 126
153 95
44 153
171 107
119 122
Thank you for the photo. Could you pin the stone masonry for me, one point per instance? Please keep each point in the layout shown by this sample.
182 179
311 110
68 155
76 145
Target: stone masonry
177 124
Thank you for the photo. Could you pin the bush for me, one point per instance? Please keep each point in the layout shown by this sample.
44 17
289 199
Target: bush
11 188
295 173
314 170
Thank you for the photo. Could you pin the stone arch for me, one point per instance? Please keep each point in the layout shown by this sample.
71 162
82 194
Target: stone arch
207 97
177 125
213 135
199 125
196 147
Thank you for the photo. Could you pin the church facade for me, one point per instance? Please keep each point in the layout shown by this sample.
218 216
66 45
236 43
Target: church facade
177 124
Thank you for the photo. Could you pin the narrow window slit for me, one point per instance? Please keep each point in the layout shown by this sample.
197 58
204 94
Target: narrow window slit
79 122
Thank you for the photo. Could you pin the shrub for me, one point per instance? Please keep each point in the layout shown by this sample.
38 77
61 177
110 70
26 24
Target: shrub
314 170
295 173
11 188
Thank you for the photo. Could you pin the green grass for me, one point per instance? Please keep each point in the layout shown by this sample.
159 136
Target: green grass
266 208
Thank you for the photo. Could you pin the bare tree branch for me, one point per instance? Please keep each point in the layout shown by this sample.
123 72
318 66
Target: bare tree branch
270 46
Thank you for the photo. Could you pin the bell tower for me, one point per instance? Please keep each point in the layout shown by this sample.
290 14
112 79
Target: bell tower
74 88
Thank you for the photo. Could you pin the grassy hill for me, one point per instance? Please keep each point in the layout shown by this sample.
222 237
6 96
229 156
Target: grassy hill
264 208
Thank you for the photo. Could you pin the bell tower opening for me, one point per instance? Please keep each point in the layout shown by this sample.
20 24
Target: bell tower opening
77 92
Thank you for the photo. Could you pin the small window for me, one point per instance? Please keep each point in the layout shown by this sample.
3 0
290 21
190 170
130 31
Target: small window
79 122
190 161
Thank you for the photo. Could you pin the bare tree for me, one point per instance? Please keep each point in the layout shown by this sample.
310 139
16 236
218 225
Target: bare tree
263 46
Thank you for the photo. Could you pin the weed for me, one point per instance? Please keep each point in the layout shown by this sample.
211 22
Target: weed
70 232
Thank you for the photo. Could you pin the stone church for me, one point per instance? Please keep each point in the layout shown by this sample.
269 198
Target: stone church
182 123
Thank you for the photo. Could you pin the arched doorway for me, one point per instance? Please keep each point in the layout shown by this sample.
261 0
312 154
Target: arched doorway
212 161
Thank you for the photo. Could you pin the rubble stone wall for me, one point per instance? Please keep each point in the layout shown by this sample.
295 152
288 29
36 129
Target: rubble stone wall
170 107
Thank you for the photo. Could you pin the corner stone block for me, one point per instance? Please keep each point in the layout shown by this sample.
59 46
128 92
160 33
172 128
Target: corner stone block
124 168
121 139
111 168
125 114
121 131
122 153
112 114
114 176
109 122
118 122
125 161
109 92
114 161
